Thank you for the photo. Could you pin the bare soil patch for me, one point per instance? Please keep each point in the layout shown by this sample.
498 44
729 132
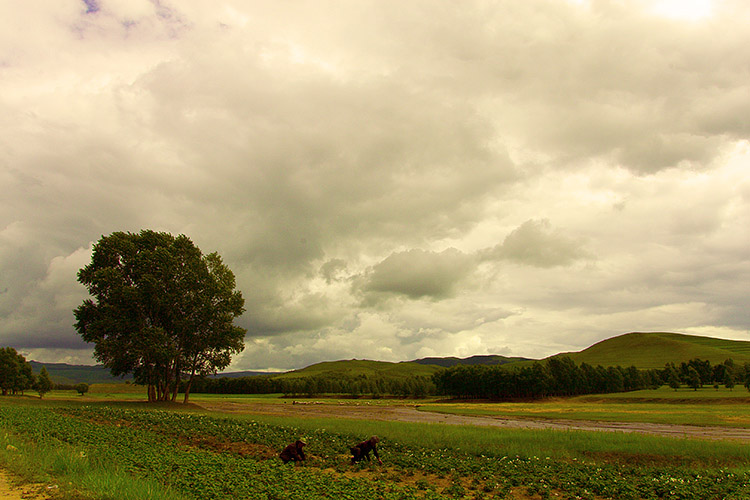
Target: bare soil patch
404 413
13 488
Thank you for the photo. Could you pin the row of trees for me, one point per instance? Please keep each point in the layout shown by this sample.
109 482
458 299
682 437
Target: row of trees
697 372
556 377
16 375
414 386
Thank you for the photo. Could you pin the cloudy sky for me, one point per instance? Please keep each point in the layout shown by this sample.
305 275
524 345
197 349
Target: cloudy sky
387 179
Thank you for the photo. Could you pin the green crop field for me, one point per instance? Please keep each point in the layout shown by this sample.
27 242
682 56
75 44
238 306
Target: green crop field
96 448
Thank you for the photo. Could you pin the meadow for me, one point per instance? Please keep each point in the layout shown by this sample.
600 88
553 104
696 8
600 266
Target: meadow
110 445
704 407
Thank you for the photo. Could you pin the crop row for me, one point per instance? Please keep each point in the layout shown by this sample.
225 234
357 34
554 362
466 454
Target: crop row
192 453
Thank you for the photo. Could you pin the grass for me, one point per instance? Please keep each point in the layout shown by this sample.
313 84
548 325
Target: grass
103 449
705 407
555 444
655 349
71 474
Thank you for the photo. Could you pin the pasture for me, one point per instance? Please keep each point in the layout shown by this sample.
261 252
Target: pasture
108 445
705 407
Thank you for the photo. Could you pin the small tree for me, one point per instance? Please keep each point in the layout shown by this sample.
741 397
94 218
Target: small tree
43 383
694 378
674 379
728 379
82 388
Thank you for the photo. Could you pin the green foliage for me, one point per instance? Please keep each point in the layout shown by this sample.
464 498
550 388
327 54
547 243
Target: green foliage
196 456
43 383
557 377
161 308
15 372
693 379
82 388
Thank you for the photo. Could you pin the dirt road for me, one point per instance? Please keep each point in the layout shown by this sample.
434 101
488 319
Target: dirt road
412 414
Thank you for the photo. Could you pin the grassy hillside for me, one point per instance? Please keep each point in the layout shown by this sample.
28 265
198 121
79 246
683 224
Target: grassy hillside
655 349
356 367
63 373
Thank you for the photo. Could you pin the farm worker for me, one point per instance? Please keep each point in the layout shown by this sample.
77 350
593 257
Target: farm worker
293 452
362 450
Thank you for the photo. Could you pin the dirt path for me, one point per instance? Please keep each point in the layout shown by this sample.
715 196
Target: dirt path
412 414
10 489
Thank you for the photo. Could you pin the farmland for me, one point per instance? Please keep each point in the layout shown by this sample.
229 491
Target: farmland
97 447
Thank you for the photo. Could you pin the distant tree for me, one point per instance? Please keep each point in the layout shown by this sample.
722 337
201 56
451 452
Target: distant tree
615 379
161 310
728 379
15 372
673 378
694 379
703 367
82 388
43 383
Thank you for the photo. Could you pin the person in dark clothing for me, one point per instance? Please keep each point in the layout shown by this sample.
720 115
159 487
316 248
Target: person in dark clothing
363 449
293 452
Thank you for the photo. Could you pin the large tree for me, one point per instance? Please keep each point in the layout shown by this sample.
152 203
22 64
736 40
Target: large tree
160 310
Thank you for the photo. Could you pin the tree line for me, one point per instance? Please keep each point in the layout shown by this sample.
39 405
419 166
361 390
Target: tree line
558 376
351 385
16 375
699 372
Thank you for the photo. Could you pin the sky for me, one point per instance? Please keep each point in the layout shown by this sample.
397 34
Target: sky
387 180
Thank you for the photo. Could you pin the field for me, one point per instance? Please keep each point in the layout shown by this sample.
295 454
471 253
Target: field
705 407
103 446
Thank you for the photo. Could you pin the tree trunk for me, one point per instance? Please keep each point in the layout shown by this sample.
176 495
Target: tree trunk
187 387
176 387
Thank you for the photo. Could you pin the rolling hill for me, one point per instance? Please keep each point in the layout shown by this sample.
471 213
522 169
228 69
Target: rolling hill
63 373
646 350
356 367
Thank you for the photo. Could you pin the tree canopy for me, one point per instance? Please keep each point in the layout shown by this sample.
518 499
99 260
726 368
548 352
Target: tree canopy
43 383
161 310
15 372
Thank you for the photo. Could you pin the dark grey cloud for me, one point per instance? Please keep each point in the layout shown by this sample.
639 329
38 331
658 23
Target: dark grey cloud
536 243
418 274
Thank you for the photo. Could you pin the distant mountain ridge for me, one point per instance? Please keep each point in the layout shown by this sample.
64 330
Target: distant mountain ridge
484 359
644 350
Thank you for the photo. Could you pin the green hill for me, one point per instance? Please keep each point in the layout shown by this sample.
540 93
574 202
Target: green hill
357 367
647 350
63 373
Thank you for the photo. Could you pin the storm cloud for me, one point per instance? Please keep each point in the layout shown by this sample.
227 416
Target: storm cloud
386 179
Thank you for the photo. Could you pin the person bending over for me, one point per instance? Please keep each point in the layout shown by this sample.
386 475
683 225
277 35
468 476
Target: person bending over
293 452
363 449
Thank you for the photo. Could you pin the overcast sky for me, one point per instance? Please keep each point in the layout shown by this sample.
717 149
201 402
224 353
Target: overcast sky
388 180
